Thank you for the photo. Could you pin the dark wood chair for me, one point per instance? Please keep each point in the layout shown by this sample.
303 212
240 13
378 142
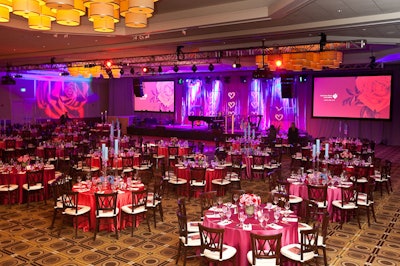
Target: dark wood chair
187 241
106 209
136 209
265 249
34 185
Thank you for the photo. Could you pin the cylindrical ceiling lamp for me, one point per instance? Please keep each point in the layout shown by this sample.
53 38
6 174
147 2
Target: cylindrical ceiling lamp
95 71
39 22
48 12
100 10
105 24
116 73
141 6
78 6
68 17
60 4
5 9
26 8
123 7
135 20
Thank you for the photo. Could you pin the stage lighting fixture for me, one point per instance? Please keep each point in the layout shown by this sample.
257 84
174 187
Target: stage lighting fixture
243 79
108 64
122 71
236 65
132 71
159 69
208 80
180 81
322 41
372 62
278 63
109 72
145 69
17 76
64 73
194 68
176 68
303 78
211 67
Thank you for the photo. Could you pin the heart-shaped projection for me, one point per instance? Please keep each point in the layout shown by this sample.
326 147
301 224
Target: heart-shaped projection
231 113
334 96
231 94
254 94
254 104
254 113
278 108
279 117
231 104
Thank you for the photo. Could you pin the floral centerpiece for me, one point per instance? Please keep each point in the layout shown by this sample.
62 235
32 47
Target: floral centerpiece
23 160
200 158
346 155
250 201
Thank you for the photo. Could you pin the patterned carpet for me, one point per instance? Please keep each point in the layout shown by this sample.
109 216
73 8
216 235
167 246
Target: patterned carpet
26 239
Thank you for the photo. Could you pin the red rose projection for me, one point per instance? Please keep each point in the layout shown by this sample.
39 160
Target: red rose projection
56 98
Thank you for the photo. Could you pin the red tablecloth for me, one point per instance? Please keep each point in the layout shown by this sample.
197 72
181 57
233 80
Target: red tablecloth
181 151
88 198
240 239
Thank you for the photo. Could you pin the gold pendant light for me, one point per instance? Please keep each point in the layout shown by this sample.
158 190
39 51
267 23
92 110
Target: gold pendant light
105 24
141 6
5 9
60 4
68 17
39 22
135 20
26 8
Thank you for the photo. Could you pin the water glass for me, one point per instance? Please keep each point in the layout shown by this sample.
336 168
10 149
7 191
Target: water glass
242 217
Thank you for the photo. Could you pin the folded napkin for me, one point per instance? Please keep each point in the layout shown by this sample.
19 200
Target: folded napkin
224 222
247 227
290 219
275 226
83 190
121 192
213 216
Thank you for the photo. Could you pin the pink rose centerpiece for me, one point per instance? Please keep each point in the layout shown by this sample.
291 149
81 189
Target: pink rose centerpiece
200 158
250 201
23 160
346 155
173 141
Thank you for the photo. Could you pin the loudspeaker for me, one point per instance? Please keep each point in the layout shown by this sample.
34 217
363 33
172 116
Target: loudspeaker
287 86
137 88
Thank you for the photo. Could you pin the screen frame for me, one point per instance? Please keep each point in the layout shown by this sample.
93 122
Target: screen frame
150 111
359 73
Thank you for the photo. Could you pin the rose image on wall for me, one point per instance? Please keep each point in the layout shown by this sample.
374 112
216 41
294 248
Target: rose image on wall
372 93
165 95
59 99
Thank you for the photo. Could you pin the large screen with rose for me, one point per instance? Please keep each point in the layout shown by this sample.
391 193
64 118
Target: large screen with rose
158 96
357 96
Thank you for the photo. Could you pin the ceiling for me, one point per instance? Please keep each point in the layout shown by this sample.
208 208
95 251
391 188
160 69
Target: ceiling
213 25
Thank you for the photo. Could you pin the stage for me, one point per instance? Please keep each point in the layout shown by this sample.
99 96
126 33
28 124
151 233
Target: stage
202 132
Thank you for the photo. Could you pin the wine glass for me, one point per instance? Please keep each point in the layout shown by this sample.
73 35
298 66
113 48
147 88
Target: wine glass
220 201
228 214
276 216
242 218
287 209
261 218
276 200
235 198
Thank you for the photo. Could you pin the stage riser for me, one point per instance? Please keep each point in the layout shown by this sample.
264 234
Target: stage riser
161 131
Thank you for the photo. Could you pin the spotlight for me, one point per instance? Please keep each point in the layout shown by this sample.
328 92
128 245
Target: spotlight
159 69
211 67
122 71
303 78
64 73
132 71
176 68
278 63
145 69
243 79
109 72
180 81
108 64
194 68
322 41
236 65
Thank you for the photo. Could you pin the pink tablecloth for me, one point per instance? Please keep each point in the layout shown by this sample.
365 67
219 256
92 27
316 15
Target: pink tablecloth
240 239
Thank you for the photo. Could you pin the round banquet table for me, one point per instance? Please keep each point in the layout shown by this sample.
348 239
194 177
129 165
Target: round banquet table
87 197
19 178
240 239
163 150
211 174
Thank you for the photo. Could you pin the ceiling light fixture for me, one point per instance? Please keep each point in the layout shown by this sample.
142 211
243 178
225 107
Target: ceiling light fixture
322 41
176 68
194 68
211 67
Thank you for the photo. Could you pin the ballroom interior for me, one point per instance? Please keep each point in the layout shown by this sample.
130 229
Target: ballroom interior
207 73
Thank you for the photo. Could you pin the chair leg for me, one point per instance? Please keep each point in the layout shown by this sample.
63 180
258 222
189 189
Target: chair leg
116 227
154 217
179 252
325 257
161 211
373 212
75 222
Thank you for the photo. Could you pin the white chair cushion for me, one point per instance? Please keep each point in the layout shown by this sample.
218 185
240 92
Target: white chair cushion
192 241
294 199
221 181
128 209
227 253
292 252
12 187
197 183
348 206
107 214
38 186
262 262
193 226
81 210
177 181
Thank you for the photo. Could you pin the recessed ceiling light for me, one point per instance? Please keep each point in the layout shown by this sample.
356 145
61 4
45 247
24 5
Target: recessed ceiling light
390 32
363 29
339 10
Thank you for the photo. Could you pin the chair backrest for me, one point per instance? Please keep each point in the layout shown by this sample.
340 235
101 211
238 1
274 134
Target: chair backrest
70 200
311 211
5 179
388 164
146 176
106 203
273 177
198 174
173 151
266 247
182 222
211 239
308 241
258 161
139 199
207 200
182 206
318 193
10 143
127 161
49 152
236 160
34 177
280 197
349 195
335 169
